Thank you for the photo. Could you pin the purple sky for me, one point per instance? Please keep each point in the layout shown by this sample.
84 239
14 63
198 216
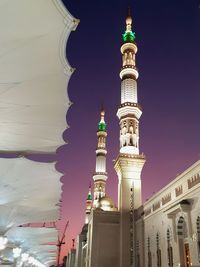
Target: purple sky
168 59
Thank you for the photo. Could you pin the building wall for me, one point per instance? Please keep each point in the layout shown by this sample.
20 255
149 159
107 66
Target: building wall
83 256
167 229
71 258
80 241
139 238
103 239
171 222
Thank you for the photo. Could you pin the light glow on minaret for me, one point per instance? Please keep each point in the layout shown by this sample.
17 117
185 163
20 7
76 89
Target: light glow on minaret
100 175
129 111
130 162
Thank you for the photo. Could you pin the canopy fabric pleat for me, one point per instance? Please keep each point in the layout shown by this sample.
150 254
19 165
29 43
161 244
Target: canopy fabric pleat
34 75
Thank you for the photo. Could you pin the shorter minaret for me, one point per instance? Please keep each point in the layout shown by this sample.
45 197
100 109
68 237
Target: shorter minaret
100 175
88 205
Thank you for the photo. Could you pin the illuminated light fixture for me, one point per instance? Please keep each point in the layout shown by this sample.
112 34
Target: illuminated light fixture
31 260
16 252
35 262
24 257
3 242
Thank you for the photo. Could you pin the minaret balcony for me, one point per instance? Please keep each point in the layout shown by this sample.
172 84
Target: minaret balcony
100 173
140 156
129 66
100 176
131 105
128 46
129 70
101 133
101 151
128 109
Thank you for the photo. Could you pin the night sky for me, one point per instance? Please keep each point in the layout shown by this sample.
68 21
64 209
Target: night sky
168 59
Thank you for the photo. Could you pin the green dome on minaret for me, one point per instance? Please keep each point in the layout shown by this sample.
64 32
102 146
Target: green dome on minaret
89 196
129 35
102 124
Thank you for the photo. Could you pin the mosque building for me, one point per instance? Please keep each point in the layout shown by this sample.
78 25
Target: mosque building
165 230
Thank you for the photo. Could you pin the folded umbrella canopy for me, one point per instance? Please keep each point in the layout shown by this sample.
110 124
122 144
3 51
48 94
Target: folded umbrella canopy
34 74
39 243
30 192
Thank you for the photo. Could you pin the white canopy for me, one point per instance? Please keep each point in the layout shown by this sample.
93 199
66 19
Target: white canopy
30 237
33 74
39 243
30 192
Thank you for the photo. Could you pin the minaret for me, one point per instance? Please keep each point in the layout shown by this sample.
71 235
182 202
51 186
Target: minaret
130 162
100 175
88 205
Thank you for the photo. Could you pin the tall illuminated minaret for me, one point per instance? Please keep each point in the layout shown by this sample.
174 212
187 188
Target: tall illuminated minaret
130 162
100 175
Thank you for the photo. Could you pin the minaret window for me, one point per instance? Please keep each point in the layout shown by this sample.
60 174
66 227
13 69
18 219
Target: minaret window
129 133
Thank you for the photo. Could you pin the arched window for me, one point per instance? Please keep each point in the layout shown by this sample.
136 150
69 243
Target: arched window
198 235
184 249
158 252
180 227
169 249
149 253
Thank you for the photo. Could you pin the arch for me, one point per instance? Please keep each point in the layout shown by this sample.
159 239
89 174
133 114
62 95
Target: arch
168 235
158 251
198 235
169 249
184 249
198 225
157 239
181 228
148 243
149 252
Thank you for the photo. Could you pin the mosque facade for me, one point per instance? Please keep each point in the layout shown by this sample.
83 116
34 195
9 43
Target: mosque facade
165 230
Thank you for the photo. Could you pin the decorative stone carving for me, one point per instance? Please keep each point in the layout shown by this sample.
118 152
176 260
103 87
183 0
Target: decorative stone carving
129 134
